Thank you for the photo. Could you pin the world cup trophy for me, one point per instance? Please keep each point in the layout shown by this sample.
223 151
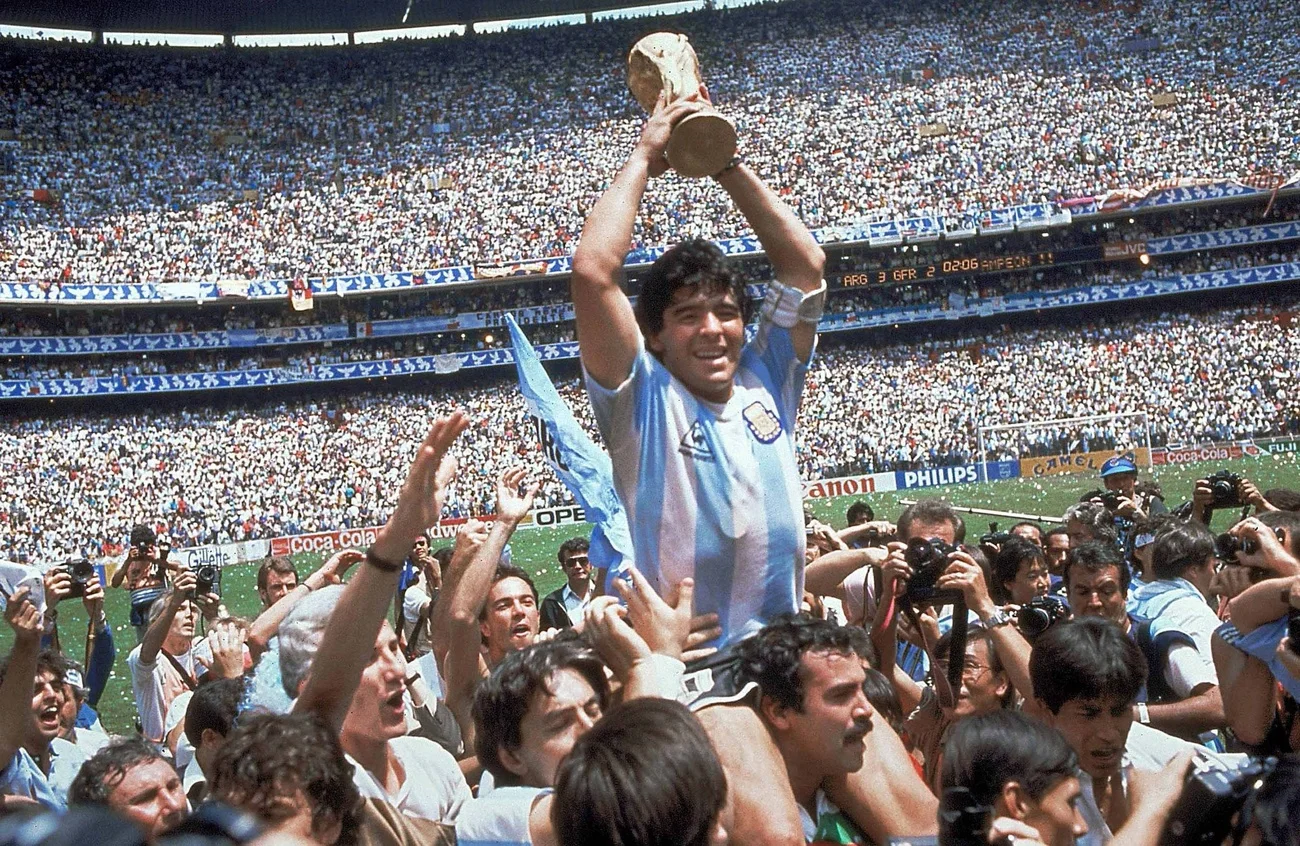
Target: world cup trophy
702 144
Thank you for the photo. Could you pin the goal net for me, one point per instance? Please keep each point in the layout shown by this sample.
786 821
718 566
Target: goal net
1068 444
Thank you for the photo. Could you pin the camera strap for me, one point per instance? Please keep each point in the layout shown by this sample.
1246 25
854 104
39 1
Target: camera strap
945 685
186 675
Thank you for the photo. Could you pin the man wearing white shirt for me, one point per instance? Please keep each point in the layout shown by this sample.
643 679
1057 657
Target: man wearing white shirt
564 607
1086 675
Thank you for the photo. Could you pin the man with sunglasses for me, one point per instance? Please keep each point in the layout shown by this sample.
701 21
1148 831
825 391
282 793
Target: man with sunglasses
564 607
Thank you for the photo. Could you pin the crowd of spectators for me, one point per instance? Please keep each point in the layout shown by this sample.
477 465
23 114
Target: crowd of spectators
947 294
169 164
75 482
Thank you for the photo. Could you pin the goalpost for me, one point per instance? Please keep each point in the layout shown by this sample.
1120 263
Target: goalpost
1130 430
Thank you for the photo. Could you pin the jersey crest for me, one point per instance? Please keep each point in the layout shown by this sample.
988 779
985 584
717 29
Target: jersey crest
762 423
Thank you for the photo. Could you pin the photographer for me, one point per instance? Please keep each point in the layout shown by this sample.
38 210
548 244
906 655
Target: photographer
169 637
65 583
1019 573
995 660
144 572
1119 476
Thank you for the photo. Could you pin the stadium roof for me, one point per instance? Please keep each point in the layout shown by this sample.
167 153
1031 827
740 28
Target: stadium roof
278 16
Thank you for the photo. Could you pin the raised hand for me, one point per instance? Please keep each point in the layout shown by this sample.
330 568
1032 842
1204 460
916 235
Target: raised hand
658 128
22 616
665 626
333 570
419 506
512 505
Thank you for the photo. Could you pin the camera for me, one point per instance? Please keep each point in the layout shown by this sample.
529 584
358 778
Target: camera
1224 486
208 579
1227 547
995 538
928 559
81 571
1212 795
1040 614
1109 499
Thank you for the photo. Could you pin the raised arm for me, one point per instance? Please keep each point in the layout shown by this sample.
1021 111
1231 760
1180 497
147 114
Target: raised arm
349 639
797 259
826 575
1264 602
268 622
468 595
16 689
608 334
156 634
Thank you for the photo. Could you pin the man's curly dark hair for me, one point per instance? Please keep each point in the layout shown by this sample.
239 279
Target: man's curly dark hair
100 776
695 263
269 756
773 657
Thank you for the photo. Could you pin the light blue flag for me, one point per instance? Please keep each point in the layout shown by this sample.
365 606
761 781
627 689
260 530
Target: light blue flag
582 466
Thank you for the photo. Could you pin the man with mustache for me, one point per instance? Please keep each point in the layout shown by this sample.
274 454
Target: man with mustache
810 674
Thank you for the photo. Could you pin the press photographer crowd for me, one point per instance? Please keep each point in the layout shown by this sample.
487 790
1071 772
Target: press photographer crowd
719 666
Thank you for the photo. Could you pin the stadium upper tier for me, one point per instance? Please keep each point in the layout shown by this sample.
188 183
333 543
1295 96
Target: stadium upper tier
72 483
146 165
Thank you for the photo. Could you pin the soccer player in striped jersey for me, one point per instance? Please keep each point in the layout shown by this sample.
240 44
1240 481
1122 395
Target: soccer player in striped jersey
700 430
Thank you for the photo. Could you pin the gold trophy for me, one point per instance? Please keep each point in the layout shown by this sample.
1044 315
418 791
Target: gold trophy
702 144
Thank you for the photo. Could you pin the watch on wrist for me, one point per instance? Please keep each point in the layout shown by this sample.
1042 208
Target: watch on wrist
996 619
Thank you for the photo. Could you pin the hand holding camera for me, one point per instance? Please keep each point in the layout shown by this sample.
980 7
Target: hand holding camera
1252 544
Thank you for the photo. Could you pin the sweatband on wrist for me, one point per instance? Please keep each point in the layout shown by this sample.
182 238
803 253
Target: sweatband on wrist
786 306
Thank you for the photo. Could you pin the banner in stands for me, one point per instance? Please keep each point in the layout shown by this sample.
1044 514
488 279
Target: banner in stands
1077 462
215 380
961 474
1032 216
223 555
1208 452
359 538
1282 446
865 483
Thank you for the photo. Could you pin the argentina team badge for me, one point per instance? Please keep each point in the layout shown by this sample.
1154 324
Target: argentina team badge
762 422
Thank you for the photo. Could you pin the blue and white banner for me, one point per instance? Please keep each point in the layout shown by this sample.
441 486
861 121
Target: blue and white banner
878 233
583 467
100 344
1223 238
450 362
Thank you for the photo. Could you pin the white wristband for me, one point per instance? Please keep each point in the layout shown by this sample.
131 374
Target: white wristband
786 306
1144 716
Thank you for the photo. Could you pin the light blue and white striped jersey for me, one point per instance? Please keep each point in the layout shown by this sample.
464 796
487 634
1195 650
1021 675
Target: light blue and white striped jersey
712 491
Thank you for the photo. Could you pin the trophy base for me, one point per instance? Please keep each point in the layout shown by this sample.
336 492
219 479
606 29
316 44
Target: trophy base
702 144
